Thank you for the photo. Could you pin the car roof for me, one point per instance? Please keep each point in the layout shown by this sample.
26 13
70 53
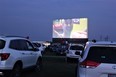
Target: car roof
101 43
76 45
11 37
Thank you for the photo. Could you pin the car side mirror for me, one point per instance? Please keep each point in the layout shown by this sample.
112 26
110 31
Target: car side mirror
36 49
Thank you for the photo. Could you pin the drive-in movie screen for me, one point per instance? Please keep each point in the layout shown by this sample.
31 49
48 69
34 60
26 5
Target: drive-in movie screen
70 28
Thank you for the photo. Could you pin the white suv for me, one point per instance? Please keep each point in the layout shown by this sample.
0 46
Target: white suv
74 51
16 54
98 60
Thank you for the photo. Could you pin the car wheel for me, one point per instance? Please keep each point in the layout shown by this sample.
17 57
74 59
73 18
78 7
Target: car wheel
38 64
16 72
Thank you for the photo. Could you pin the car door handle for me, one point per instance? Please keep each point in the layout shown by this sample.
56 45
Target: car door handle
31 53
23 53
114 67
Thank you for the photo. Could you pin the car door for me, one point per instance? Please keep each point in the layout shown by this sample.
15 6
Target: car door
33 56
28 54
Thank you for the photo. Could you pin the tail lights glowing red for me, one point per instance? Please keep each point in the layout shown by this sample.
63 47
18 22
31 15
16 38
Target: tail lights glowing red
89 64
4 56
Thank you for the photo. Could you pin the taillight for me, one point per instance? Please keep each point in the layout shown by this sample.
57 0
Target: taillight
4 56
89 64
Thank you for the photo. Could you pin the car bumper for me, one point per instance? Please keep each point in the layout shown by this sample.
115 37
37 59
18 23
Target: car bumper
72 56
3 72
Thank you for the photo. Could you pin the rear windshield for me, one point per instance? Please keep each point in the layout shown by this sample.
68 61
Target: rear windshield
102 54
2 44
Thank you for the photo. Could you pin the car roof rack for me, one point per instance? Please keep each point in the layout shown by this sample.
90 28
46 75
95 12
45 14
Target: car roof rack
17 36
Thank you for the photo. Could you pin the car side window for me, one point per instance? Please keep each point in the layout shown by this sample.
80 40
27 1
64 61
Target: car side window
29 46
26 45
15 44
20 44
23 45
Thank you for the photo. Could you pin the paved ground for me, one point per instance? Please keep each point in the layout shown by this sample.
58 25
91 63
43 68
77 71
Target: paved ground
53 66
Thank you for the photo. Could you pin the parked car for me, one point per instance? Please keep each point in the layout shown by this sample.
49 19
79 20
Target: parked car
53 47
61 50
98 60
58 48
74 51
17 54
40 46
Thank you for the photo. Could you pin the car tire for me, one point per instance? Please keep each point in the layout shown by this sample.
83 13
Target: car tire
39 65
16 72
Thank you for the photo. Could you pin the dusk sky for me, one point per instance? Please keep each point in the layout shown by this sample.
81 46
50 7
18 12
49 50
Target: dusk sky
34 18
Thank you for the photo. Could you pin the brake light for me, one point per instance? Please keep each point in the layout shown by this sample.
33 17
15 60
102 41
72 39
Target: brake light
89 64
4 56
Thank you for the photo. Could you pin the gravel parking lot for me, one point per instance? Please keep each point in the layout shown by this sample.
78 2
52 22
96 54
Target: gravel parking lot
53 66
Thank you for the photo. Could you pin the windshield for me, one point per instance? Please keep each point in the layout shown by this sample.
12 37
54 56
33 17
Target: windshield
76 47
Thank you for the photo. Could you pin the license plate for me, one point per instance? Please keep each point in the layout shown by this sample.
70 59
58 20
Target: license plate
111 75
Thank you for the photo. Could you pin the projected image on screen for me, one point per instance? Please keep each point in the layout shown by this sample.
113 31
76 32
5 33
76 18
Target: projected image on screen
70 28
